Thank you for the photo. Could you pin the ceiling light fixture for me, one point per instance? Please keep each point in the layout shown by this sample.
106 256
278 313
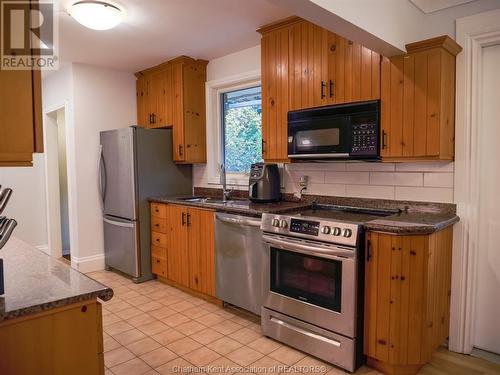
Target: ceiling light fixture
97 15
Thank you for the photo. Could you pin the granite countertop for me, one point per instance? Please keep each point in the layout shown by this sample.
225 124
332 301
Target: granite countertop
243 206
36 282
413 222
414 218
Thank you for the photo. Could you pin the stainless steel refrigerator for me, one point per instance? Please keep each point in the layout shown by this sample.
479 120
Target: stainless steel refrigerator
135 164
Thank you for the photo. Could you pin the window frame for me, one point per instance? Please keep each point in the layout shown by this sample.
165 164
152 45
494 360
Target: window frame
214 91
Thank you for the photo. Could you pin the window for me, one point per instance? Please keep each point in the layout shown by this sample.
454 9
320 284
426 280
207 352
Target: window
241 129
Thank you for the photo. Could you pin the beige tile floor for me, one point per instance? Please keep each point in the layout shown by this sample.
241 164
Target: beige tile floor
153 328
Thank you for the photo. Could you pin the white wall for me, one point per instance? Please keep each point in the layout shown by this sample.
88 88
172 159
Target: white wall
402 181
97 99
383 25
103 99
27 203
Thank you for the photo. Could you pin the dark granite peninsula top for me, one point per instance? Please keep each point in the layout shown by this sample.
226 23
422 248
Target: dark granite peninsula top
36 282
413 218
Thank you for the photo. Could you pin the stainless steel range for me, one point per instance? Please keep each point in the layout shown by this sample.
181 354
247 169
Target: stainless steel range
314 300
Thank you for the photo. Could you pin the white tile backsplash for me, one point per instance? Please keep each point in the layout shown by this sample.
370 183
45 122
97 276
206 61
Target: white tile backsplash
347 177
439 179
396 179
424 194
370 191
421 181
370 167
428 166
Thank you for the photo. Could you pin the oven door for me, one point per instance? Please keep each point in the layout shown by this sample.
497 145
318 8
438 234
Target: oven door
313 282
312 138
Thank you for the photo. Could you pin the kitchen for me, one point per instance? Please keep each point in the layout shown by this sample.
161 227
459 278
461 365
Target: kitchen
336 252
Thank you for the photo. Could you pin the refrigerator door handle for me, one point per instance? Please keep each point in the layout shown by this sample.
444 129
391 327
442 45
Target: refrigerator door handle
119 223
101 181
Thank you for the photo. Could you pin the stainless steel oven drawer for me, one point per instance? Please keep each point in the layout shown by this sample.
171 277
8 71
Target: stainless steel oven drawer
323 344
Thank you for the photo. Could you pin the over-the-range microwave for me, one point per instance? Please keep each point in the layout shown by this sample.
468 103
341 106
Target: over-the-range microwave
344 131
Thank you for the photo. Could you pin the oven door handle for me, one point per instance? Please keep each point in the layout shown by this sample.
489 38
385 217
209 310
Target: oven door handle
316 336
334 252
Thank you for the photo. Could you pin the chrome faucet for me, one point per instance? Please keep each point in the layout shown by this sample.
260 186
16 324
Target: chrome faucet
225 192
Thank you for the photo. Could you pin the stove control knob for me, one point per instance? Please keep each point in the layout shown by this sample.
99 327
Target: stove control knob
347 232
283 224
336 231
275 223
326 229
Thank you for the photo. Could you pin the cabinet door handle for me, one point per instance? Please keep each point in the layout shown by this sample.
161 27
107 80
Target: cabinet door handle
263 146
323 87
384 139
188 221
150 119
369 254
183 219
331 88
180 150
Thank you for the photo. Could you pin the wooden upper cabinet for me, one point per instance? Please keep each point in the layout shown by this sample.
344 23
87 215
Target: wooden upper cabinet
173 95
326 68
418 101
304 66
20 117
274 81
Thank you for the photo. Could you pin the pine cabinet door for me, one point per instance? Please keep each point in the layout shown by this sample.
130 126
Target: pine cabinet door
177 245
17 121
308 72
201 251
275 95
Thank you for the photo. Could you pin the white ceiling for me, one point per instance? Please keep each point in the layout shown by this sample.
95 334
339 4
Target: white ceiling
429 6
158 30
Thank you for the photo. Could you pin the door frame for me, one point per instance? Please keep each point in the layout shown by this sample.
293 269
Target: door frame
473 33
54 220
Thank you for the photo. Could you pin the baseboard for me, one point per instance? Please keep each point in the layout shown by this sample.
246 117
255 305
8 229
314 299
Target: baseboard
44 248
88 264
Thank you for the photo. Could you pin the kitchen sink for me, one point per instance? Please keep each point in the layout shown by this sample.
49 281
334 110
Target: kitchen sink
194 199
229 202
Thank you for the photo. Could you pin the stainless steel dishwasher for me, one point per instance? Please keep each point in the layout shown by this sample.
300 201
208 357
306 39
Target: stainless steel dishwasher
241 262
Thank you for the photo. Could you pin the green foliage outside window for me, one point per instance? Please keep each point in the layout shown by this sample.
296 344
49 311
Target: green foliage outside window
242 135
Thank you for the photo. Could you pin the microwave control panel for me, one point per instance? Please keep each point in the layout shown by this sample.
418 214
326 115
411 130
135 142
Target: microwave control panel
364 139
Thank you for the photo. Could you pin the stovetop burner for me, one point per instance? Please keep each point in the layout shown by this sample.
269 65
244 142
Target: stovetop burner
342 213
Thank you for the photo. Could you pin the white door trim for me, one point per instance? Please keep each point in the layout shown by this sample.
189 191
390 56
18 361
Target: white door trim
71 172
473 34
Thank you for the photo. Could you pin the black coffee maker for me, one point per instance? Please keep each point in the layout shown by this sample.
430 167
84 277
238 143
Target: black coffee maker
264 183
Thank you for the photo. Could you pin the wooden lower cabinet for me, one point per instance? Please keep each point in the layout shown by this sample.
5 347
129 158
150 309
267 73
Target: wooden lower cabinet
184 252
64 340
407 299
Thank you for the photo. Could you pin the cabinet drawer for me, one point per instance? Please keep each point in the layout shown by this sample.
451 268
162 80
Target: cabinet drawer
158 224
158 252
159 266
159 239
159 210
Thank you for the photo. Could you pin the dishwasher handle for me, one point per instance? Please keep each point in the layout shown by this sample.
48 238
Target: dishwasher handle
239 221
